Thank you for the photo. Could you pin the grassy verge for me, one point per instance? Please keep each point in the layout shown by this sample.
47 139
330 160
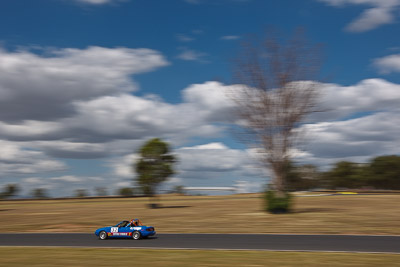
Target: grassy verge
139 257
342 214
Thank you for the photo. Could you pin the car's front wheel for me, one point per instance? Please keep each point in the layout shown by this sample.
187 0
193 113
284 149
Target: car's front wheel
103 235
136 235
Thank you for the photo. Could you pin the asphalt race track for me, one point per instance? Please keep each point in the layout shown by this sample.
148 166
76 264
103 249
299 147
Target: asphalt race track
353 243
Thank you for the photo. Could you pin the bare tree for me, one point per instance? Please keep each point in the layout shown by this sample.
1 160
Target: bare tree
276 91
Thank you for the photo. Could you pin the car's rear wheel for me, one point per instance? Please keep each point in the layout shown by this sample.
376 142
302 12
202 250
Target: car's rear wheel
103 235
136 235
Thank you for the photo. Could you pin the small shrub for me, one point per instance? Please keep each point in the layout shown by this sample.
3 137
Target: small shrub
277 204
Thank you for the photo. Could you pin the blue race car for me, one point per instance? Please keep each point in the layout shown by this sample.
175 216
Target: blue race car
126 229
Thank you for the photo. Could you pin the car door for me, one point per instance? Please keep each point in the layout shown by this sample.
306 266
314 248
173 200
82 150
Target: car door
124 231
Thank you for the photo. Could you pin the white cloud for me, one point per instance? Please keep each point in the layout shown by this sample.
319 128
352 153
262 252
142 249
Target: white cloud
30 130
361 121
104 119
230 37
342 102
357 139
43 87
184 38
371 19
192 55
123 166
388 64
21 159
211 146
33 180
381 12
213 157
98 2
137 118
211 100
210 162
205 112
88 133
77 150
67 178
132 117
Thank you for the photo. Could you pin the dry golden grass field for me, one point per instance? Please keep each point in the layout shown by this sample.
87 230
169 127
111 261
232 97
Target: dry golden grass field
336 214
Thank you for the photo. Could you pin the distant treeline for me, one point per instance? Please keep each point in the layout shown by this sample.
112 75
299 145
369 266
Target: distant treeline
380 173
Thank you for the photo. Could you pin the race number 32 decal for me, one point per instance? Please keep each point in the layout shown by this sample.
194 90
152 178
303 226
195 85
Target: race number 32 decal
114 229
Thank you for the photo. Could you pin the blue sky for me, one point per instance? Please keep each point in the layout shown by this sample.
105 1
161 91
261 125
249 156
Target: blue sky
83 83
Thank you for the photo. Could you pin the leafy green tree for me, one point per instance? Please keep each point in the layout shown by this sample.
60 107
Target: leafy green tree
10 190
154 166
302 177
381 173
346 174
384 172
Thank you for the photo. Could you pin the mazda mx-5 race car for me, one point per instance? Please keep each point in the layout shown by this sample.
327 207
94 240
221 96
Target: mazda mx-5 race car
126 229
